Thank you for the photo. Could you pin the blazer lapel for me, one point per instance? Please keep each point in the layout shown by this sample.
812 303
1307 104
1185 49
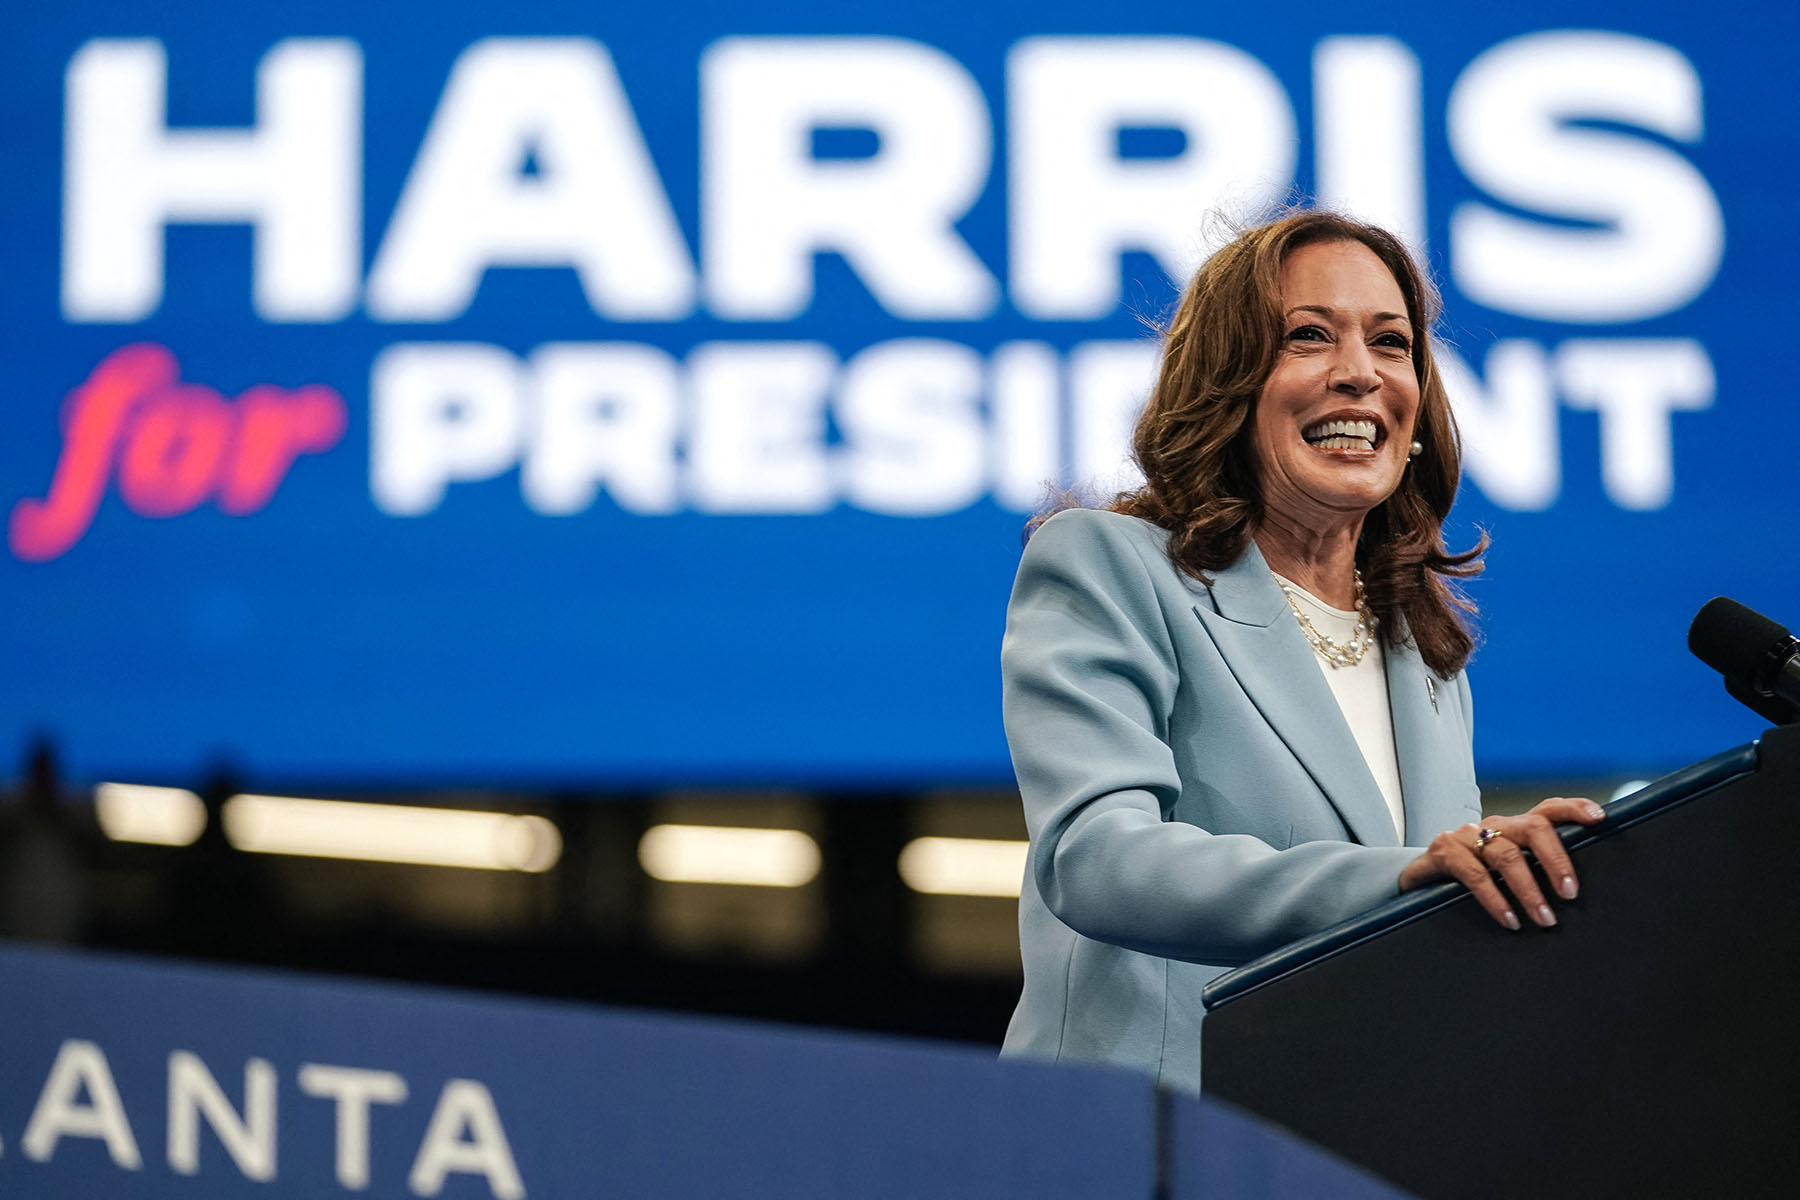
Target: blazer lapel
1261 643
1430 774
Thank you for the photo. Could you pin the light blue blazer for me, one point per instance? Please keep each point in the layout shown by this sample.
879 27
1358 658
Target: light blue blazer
1194 795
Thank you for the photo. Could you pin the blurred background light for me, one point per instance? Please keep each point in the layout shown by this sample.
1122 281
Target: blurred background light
391 833
953 866
159 816
724 854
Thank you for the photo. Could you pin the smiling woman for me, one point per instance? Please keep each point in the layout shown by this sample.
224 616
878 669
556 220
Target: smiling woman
1235 702
1311 319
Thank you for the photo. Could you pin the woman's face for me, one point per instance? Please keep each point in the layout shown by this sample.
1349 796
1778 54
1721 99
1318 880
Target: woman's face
1335 418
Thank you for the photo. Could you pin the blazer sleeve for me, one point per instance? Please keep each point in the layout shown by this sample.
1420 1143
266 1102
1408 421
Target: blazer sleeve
1090 675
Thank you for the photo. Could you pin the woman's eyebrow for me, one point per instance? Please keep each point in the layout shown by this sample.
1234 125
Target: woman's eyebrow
1325 310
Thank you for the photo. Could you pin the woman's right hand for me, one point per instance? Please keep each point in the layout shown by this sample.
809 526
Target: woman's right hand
1476 862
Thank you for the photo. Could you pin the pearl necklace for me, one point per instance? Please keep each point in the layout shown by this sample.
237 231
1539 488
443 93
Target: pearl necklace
1347 654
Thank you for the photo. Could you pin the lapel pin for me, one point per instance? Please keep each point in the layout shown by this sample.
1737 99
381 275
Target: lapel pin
1431 690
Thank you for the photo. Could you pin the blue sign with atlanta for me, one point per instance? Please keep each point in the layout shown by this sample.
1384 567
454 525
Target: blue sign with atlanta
409 394
121 1077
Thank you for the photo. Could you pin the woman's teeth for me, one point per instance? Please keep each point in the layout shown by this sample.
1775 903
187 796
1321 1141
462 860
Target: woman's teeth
1341 435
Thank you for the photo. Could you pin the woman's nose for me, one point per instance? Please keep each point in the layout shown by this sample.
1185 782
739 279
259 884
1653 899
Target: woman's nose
1354 372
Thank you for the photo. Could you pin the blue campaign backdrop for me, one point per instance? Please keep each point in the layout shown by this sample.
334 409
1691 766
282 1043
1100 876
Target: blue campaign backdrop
633 395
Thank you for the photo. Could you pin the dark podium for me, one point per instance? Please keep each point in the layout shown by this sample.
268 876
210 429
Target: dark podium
1648 1045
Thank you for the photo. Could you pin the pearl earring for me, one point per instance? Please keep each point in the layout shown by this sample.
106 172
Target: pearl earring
1417 449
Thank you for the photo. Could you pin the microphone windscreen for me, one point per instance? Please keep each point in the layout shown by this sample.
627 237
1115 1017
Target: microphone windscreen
1732 639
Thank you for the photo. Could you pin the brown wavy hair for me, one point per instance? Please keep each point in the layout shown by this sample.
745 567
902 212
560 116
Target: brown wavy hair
1193 441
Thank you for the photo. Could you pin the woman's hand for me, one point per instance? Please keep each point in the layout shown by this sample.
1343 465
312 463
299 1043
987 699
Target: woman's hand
1473 856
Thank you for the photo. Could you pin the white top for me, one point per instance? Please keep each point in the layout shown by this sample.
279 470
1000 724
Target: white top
1362 694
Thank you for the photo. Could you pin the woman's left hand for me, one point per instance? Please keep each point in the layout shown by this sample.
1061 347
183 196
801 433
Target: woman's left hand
1475 855
1536 831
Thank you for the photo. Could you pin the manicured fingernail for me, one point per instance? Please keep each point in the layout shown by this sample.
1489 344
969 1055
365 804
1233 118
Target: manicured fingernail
1565 887
1546 918
1510 921
1595 811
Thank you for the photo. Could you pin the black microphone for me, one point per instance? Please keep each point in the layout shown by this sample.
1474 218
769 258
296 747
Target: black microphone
1759 659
